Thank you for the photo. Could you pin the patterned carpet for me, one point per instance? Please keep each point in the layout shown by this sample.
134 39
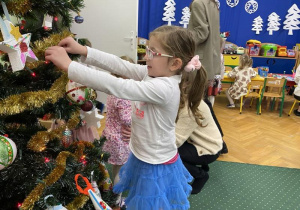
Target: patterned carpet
238 186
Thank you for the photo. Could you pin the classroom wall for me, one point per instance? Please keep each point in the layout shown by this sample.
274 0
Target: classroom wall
236 20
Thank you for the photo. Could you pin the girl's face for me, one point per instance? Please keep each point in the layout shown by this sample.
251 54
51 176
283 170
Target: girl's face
158 62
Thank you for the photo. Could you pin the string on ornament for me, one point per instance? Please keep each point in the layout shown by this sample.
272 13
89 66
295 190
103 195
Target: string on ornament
78 18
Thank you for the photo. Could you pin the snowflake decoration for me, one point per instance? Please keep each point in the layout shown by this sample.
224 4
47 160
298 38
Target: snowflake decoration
251 6
232 3
218 3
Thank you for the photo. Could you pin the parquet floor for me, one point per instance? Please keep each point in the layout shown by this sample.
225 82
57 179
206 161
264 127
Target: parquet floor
265 139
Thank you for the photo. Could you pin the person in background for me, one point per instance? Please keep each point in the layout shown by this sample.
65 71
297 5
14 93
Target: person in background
242 74
154 173
297 91
205 25
118 116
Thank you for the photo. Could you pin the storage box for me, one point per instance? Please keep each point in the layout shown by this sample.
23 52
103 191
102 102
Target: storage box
291 53
268 50
263 70
253 49
282 51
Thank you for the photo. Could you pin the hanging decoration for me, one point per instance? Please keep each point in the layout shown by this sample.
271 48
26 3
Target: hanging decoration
66 137
56 207
257 24
186 14
273 24
232 3
251 6
15 44
218 3
92 118
292 20
78 93
47 23
78 18
8 152
169 14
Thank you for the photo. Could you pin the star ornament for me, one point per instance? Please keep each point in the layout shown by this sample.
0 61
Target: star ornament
92 118
17 47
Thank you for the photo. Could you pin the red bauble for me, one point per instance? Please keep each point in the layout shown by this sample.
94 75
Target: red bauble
87 106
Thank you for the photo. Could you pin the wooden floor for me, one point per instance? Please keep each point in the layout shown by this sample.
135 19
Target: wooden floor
265 139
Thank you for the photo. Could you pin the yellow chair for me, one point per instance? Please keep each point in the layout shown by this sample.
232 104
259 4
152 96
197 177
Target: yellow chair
273 88
254 91
295 101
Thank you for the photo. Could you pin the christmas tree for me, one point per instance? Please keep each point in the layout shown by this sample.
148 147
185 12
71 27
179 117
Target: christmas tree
185 17
273 24
38 166
169 14
257 24
292 20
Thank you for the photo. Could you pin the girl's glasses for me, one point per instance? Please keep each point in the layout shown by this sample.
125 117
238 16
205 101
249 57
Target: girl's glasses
150 54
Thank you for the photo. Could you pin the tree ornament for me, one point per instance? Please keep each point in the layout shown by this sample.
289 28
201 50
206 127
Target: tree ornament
292 19
106 184
218 3
78 93
273 24
186 14
79 19
257 24
47 23
56 207
169 14
8 151
66 139
232 3
251 6
87 106
92 118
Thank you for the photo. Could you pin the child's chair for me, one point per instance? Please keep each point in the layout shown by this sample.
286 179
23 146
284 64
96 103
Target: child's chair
295 101
254 91
273 88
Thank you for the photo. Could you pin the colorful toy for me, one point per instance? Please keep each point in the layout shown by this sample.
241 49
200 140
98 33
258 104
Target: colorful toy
253 47
263 71
281 51
240 50
291 53
268 50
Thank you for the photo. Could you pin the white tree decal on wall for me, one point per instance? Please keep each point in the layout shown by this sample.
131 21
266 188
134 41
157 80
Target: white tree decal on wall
185 17
257 24
273 24
292 19
169 14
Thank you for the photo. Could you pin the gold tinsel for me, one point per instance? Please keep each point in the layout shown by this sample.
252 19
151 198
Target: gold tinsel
56 173
18 7
40 46
38 142
15 104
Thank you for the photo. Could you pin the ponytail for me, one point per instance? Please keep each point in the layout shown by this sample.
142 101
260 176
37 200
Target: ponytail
192 87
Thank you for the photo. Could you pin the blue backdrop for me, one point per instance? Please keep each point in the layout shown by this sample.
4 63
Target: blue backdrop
236 20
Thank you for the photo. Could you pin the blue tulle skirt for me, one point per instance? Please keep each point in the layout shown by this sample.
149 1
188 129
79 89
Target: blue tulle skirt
159 187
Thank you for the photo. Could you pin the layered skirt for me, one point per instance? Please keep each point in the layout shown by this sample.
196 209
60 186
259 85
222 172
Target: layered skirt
154 186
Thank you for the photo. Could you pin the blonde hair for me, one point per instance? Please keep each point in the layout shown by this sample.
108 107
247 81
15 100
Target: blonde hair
180 43
245 61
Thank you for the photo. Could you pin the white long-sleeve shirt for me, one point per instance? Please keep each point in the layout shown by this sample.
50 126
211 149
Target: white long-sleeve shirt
155 102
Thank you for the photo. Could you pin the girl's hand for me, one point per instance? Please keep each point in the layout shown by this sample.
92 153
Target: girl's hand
126 132
58 56
73 47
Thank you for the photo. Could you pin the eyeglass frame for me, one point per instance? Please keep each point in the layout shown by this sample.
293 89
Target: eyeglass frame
150 54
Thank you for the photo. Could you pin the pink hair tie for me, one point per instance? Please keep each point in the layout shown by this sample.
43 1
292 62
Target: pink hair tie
193 65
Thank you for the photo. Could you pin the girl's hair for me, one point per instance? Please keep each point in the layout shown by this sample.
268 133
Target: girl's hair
180 43
245 61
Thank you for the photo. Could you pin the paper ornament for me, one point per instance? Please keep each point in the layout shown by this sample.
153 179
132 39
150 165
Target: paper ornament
79 93
56 207
273 24
92 118
218 3
47 21
169 14
257 24
186 14
251 6
8 152
16 45
232 3
106 184
292 19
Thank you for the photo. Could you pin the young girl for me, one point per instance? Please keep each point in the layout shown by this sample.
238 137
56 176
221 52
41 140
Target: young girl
242 74
154 173
118 116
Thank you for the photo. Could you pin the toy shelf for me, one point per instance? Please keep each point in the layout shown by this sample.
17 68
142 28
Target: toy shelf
257 56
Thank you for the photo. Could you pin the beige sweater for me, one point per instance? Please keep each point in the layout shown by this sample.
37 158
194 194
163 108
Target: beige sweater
207 139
